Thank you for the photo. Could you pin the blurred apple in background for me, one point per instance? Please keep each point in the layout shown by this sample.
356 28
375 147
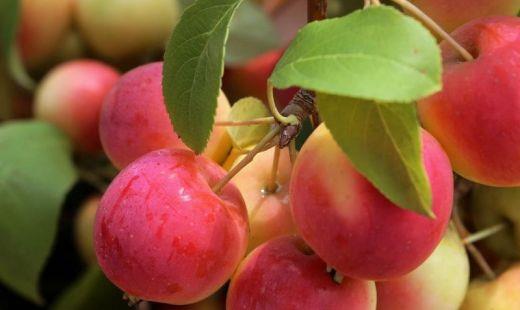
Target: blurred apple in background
502 293
491 206
250 79
43 24
84 229
124 29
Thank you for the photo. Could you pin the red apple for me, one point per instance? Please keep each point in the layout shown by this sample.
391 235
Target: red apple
250 79
161 234
134 120
43 24
476 115
283 274
351 225
451 14
70 96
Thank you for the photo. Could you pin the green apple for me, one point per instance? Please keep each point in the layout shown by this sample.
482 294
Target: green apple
124 29
500 294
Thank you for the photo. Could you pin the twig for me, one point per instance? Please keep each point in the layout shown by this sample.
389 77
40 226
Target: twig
483 234
257 121
260 147
316 10
434 27
292 152
272 186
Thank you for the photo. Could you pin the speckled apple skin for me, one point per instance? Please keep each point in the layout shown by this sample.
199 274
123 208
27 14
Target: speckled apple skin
351 225
283 274
161 233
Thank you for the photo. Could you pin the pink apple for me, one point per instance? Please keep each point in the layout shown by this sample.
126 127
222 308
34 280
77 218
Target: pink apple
70 96
351 225
476 115
161 234
284 274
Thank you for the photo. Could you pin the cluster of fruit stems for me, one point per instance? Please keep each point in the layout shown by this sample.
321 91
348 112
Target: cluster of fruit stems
317 11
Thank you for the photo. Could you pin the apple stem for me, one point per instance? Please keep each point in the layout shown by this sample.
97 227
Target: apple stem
483 234
263 145
434 27
132 300
273 185
292 152
285 120
257 121
338 277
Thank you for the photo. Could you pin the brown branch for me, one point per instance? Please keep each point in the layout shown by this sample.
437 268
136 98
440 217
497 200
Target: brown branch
316 10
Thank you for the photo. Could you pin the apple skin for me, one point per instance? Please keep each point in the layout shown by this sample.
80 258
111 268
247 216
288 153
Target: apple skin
161 234
84 229
440 282
43 24
450 14
250 79
71 95
125 29
476 114
491 206
269 213
216 301
282 274
500 294
351 225
134 120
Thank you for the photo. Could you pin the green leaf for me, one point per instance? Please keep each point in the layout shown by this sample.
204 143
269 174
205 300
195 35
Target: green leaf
382 140
193 67
36 172
251 34
377 53
243 110
91 291
9 12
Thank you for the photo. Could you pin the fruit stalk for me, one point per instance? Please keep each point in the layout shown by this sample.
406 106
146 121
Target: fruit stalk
434 27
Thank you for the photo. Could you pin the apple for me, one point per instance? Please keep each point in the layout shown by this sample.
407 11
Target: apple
450 14
84 229
43 24
250 79
70 96
476 114
351 225
134 120
216 301
284 274
269 212
161 234
440 282
126 29
500 294
491 206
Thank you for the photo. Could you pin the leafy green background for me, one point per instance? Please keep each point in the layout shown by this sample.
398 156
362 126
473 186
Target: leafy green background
36 172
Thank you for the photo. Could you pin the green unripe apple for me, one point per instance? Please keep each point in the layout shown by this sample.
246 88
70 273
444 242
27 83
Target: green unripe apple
124 29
